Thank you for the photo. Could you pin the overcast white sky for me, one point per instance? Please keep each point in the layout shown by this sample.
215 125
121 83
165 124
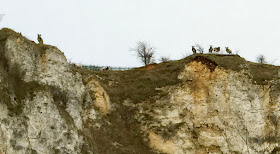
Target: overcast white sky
100 32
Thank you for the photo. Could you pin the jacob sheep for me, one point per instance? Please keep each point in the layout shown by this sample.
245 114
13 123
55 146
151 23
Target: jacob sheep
228 50
193 50
217 49
39 38
210 49
105 68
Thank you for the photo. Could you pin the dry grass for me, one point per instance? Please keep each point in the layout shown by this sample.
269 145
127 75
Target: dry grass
140 84
123 134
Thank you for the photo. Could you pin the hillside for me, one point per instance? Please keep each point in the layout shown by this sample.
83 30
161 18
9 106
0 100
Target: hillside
204 103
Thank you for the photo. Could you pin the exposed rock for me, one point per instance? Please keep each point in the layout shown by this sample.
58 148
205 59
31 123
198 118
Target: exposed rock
219 111
43 103
102 100
201 104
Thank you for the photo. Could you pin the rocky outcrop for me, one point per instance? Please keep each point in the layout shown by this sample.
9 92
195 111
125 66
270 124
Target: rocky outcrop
201 104
43 103
218 111
102 100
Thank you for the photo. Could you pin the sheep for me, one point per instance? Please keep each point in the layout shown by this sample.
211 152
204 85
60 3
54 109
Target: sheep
217 49
228 50
105 68
210 49
193 50
39 38
77 65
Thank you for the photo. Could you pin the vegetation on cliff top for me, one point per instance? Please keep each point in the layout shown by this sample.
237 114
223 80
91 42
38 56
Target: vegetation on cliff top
137 85
140 84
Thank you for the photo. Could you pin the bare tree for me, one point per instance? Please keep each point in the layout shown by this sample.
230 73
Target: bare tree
145 52
164 59
199 48
261 59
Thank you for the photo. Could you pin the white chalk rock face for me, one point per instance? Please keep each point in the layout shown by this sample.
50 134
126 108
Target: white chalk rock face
218 111
44 104
50 106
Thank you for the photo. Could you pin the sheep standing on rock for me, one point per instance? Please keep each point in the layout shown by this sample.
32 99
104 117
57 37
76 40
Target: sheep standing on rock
217 49
210 49
228 50
193 50
39 38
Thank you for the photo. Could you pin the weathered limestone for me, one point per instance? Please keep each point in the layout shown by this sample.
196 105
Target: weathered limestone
47 107
217 112
102 100
50 115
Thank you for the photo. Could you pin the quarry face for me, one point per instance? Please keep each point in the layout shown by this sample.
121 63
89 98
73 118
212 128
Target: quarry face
200 104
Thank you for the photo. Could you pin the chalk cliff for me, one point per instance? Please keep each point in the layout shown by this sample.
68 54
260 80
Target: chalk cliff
201 104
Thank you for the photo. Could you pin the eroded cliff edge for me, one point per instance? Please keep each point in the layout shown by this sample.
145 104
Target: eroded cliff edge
200 104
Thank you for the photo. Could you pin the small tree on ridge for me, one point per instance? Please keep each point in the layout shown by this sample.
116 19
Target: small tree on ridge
199 48
145 52
261 59
164 59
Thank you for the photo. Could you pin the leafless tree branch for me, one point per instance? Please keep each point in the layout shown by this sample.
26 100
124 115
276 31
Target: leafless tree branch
145 52
261 59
